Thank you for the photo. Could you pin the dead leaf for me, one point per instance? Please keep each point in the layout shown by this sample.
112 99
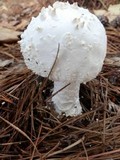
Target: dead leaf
22 25
112 13
8 35
4 63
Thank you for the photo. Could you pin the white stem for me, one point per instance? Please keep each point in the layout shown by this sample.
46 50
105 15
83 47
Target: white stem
67 100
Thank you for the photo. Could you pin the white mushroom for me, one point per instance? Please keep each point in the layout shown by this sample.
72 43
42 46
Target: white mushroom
83 43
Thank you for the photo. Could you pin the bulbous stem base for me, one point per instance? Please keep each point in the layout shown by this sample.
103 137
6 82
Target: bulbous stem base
67 100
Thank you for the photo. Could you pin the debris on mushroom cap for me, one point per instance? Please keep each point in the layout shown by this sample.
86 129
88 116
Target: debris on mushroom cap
82 40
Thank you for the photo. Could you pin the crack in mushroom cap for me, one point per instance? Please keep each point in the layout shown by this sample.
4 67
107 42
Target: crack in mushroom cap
82 40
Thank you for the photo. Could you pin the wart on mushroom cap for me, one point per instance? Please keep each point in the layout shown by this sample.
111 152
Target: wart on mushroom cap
83 43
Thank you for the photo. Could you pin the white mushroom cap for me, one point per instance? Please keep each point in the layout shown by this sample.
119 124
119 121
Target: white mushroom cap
82 40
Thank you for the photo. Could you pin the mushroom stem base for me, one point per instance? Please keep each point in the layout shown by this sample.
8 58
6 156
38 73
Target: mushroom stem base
67 100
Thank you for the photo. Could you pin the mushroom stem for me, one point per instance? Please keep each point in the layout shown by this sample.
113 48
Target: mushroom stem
67 100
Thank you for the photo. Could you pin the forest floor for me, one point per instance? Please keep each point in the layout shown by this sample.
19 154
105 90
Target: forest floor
29 129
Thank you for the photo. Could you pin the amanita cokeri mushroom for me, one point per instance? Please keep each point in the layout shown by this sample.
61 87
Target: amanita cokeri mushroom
83 43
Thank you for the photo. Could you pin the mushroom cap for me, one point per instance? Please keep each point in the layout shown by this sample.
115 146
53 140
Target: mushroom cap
82 40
